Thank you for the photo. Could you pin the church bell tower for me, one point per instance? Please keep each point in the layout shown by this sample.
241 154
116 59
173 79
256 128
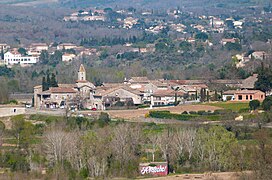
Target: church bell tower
81 73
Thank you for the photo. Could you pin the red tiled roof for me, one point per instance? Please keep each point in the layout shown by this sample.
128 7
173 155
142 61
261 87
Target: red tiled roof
248 92
60 90
168 92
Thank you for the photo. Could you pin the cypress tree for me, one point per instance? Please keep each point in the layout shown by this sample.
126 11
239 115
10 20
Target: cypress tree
53 81
44 84
48 81
2 53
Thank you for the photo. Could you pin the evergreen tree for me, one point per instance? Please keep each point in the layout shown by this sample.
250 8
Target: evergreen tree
53 81
48 81
44 57
264 82
44 84
2 53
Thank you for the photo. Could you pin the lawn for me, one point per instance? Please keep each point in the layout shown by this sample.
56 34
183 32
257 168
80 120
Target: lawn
234 106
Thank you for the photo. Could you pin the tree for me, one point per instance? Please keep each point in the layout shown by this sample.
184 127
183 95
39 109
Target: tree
267 103
13 86
2 53
104 117
264 82
203 94
56 145
55 58
53 81
185 46
202 36
254 104
22 51
233 46
2 129
48 81
218 143
262 154
23 131
44 57
44 84
4 93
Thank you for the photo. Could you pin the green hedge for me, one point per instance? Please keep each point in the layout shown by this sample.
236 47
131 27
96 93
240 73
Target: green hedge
168 115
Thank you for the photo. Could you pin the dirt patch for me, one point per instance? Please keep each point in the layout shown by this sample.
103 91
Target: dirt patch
140 113
209 176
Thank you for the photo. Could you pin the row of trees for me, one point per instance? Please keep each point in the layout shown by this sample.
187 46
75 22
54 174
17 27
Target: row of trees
49 82
51 59
79 148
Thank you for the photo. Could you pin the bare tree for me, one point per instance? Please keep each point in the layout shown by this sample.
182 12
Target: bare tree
126 142
56 145
153 140
190 138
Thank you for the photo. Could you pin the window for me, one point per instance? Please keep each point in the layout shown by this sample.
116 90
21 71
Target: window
262 96
240 97
250 97
246 97
14 110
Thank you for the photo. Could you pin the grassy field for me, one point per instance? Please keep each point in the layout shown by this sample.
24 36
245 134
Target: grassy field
234 106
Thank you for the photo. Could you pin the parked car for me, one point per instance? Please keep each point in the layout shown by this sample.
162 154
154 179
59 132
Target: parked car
28 105
93 109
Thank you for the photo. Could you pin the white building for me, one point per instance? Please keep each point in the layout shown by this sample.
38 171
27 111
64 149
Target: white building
16 58
68 57
66 46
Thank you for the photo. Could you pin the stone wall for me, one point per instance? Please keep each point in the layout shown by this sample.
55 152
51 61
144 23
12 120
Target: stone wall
6 111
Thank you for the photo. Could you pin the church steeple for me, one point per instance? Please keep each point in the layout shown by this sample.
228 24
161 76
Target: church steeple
81 73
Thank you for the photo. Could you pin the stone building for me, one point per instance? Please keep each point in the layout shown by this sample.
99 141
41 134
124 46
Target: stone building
65 95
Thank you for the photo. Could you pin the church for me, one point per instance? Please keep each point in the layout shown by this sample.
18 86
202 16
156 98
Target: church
77 95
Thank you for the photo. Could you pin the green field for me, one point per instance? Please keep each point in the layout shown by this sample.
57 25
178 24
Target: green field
231 105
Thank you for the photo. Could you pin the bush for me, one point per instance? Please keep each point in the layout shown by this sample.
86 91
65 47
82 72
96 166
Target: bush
168 115
104 117
254 104
222 111
119 103
192 112
201 113
184 112
13 101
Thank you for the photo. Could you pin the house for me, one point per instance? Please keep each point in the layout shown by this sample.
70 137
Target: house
216 22
4 47
119 93
228 95
93 18
166 97
56 96
191 40
14 57
129 22
258 55
68 57
35 49
39 46
231 40
249 95
66 95
66 46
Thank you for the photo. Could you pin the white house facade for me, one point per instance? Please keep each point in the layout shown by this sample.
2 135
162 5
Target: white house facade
17 58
